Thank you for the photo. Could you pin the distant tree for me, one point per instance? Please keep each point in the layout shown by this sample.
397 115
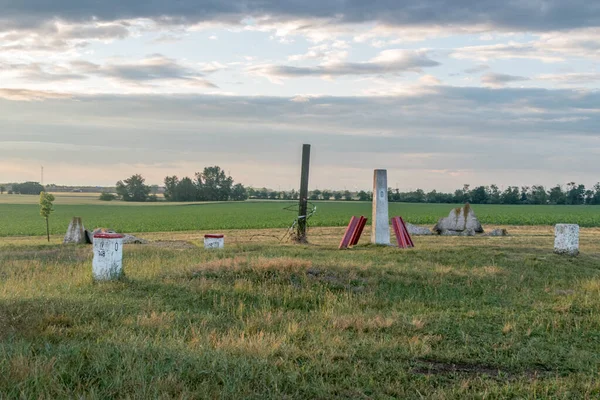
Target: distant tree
511 195
315 194
556 195
171 183
273 195
363 196
337 195
154 189
575 194
326 194
589 196
494 195
216 186
46 208
596 196
525 195
347 195
239 192
479 195
538 195
133 189
251 193
105 196
294 195
33 188
186 190
2 189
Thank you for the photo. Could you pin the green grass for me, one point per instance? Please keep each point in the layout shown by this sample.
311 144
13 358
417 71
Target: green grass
281 321
24 219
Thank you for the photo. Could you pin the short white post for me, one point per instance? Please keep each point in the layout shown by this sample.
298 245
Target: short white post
380 224
108 256
566 239
214 241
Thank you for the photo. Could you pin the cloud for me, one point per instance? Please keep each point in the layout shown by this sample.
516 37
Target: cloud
477 69
540 15
154 69
30 95
59 36
443 128
386 63
573 78
548 47
498 80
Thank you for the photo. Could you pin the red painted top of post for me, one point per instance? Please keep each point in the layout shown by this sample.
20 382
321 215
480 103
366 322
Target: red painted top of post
104 235
216 236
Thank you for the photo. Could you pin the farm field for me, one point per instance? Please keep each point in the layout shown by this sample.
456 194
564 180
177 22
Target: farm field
454 318
19 215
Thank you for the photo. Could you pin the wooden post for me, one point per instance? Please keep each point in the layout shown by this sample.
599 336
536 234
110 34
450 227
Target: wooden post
302 210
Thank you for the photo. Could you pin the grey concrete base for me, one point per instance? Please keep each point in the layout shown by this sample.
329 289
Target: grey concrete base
566 239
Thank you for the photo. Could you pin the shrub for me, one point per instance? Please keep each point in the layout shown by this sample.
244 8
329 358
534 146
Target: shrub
108 196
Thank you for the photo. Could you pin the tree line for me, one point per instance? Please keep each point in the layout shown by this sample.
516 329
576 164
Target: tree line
572 194
212 184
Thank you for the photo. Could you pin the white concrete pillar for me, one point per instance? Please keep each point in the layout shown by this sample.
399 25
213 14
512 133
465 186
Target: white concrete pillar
108 256
380 224
566 239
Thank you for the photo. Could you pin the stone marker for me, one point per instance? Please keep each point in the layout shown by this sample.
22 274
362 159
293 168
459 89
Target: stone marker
108 256
566 239
380 228
75 232
214 241
497 232
459 220
417 230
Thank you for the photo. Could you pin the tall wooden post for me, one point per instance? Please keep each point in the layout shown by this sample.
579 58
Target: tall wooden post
302 210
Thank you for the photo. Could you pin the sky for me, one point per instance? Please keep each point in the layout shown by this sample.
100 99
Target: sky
438 92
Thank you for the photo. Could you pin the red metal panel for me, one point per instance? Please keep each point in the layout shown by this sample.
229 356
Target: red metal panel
408 238
349 232
362 221
402 236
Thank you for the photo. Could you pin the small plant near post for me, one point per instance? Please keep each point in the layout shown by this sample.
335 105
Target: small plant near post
46 209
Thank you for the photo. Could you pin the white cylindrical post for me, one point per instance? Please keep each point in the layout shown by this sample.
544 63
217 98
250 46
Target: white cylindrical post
380 228
108 256
566 239
214 241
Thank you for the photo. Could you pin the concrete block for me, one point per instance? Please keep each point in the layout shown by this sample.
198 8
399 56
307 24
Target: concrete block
108 256
566 239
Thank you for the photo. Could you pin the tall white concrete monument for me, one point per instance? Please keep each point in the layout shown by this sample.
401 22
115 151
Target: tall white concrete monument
380 225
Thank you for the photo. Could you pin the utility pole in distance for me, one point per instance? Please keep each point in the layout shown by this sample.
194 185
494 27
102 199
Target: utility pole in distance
302 210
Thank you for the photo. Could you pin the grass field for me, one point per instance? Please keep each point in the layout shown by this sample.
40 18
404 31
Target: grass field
454 318
19 215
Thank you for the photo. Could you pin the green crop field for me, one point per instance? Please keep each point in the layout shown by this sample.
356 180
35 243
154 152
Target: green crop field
23 218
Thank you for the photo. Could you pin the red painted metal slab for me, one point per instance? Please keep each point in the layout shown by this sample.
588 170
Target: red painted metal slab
362 221
402 236
352 225
407 235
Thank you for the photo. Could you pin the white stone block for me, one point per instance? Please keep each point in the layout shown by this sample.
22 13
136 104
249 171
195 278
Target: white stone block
566 239
380 224
214 241
108 256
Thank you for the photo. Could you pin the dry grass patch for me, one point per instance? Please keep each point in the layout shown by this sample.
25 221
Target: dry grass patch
363 323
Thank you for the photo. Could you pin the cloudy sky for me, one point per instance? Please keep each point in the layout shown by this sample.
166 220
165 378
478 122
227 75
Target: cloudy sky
438 92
